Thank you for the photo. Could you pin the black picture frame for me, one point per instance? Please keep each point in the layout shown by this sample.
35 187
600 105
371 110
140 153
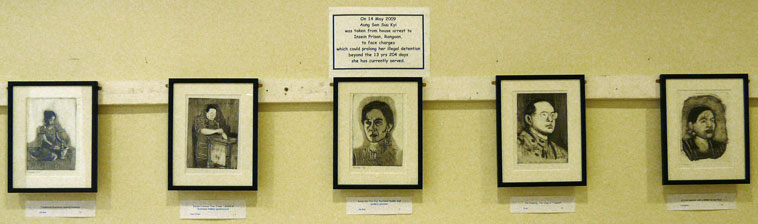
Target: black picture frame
94 113
340 80
665 132
499 111
254 84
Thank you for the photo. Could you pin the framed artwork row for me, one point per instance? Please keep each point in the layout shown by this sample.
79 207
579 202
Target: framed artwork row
377 140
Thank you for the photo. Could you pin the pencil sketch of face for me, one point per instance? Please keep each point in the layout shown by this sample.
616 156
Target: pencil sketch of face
377 125
51 119
211 113
543 118
704 126
702 123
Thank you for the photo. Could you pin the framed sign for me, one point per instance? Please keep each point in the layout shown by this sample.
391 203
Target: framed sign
704 129
213 134
52 136
540 131
379 42
377 133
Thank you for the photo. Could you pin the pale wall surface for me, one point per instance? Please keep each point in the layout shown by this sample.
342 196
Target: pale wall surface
151 40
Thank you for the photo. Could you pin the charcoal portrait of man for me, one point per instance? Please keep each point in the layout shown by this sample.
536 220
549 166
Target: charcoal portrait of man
542 128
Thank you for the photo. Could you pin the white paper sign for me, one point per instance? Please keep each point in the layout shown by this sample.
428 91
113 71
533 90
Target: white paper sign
543 204
379 205
60 208
379 41
212 209
716 201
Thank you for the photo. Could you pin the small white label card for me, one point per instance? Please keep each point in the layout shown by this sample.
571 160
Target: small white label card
379 205
543 204
212 209
60 208
375 41
717 201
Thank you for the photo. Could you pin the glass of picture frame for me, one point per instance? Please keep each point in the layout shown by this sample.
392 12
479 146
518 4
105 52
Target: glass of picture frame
540 130
704 129
213 134
377 133
52 136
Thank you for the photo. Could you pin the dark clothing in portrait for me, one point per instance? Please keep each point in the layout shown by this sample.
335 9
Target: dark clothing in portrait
202 141
533 149
715 149
386 155
50 143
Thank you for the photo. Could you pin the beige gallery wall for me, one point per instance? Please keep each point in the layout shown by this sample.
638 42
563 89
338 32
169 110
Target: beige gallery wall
156 40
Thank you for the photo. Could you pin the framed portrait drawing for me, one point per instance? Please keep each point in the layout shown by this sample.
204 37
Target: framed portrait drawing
377 133
52 136
213 134
704 129
540 130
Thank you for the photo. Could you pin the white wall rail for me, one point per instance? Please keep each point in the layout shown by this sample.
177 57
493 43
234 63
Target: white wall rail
459 88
